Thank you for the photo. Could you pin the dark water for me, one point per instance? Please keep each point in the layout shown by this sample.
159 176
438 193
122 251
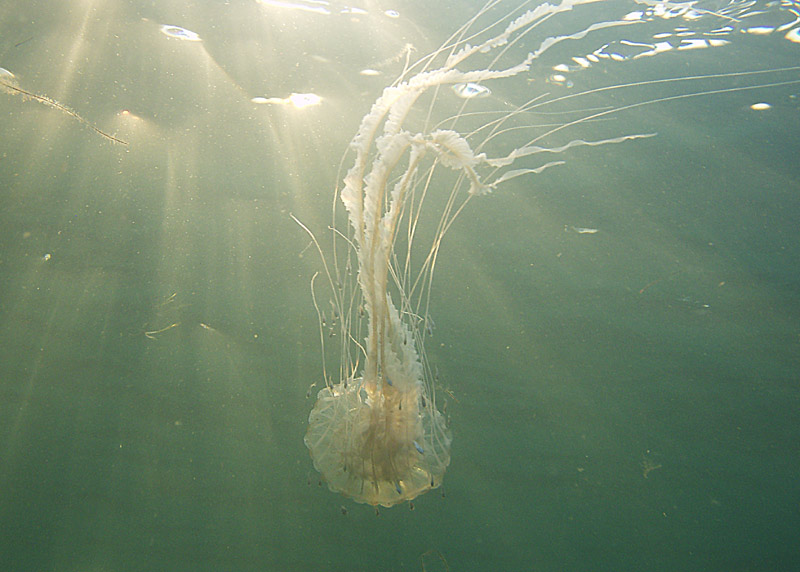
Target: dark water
621 400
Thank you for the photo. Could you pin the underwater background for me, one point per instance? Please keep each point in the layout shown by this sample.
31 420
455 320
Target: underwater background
624 399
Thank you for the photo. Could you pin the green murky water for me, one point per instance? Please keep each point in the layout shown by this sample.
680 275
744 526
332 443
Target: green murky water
625 399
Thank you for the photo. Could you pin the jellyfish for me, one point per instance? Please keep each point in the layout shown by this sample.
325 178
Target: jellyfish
378 433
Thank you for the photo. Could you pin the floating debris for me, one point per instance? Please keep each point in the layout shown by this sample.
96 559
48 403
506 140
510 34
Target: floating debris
10 85
18 44
760 106
153 334
648 465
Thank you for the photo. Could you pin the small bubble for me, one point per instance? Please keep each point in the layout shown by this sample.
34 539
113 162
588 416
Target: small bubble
179 33
471 90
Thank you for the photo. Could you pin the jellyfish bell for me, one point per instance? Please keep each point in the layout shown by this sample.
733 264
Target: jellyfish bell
377 443
377 432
